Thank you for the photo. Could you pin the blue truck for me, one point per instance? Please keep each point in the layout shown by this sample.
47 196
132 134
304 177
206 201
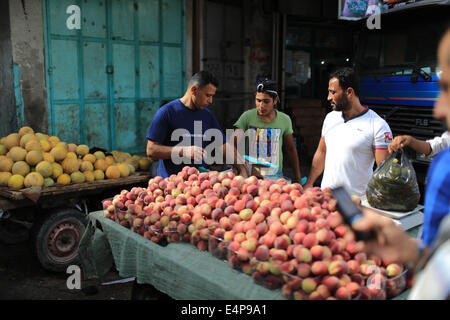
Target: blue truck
399 73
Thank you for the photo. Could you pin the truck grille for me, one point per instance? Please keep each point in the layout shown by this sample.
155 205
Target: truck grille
409 120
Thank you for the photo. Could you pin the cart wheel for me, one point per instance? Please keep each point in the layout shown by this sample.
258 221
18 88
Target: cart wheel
12 233
56 238
147 292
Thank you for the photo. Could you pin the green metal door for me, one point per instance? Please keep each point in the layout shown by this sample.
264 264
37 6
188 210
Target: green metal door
106 79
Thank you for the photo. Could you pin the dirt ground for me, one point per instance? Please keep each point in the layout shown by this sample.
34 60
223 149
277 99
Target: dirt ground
22 277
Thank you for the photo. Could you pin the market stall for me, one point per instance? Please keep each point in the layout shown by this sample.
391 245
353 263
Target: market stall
194 265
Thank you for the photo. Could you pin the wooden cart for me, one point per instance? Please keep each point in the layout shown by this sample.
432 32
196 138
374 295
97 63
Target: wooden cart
54 218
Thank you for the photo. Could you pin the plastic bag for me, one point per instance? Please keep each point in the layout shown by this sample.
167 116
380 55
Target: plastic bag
393 186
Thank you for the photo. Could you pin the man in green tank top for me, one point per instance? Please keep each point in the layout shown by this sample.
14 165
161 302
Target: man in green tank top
266 130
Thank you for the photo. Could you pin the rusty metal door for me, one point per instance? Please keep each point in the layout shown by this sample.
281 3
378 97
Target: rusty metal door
107 78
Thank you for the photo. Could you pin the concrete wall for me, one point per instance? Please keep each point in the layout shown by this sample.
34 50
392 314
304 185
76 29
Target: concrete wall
7 105
27 41
258 37
189 35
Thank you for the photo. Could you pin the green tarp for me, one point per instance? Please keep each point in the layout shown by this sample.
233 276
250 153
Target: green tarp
179 269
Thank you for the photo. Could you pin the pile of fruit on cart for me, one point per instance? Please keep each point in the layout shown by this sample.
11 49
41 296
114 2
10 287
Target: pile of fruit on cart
281 235
29 159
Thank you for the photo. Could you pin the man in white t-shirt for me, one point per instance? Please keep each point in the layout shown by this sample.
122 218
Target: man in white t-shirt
353 138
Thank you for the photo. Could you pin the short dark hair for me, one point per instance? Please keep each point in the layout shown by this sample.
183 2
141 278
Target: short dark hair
348 78
202 79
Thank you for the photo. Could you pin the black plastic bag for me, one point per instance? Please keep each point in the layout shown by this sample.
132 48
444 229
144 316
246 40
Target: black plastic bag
393 186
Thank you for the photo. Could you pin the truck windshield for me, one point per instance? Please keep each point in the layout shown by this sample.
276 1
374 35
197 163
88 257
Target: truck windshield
398 51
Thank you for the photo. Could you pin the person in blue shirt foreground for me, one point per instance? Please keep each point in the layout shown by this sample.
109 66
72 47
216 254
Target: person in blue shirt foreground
430 257
188 119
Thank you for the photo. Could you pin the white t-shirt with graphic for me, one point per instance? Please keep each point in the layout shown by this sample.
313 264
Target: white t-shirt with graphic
350 149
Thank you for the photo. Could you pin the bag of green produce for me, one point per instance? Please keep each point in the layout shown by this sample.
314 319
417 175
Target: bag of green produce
393 186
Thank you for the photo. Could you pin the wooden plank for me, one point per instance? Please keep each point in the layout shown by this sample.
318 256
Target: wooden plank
76 187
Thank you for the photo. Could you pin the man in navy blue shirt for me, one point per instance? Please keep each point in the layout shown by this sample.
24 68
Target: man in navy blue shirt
182 130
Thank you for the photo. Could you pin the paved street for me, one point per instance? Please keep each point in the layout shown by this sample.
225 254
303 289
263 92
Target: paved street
21 277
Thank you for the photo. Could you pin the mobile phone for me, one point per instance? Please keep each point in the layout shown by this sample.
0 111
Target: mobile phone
350 212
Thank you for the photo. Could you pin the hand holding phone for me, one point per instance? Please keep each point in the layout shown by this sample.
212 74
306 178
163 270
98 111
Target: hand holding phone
350 212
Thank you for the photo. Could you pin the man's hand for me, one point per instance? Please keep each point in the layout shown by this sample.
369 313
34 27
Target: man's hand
407 141
399 142
307 185
391 243
243 170
191 152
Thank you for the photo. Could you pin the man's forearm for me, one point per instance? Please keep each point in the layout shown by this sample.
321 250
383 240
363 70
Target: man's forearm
161 152
317 167
293 158
420 146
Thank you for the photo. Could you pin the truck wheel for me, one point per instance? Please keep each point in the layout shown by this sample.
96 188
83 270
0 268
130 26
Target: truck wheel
147 292
56 238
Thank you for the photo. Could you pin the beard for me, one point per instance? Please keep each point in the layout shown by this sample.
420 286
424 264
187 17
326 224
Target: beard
341 104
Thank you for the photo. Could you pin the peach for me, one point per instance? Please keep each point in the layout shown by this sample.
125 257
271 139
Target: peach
245 214
263 267
239 237
309 285
298 237
278 255
303 255
317 252
292 222
276 227
287 267
229 210
229 235
282 242
303 270
269 239
360 257
341 230
258 217
252 234
337 268
302 226
276 212
331 282
299 295
263 208
319 268
287 205
249 245
323 236
322 223
353 266
225 223
315 296
262 228
262 253
285 215
323 291
243 254
343 293
251 204
393 270
310 240
294 283
248 225
353 288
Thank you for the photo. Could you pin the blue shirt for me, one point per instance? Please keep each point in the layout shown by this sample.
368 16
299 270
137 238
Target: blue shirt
437 196
175 115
